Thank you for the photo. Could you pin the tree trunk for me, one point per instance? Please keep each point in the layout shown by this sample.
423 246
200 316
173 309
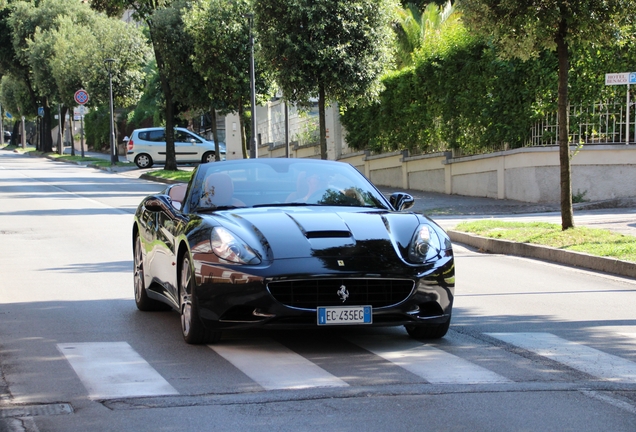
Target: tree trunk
171 160
323 127
47 139
567 216
62 124
14 134
70 134
215 135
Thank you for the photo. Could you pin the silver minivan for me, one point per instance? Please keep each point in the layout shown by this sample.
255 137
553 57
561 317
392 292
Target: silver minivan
148 146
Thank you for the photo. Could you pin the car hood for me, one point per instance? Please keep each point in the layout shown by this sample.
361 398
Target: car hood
316 231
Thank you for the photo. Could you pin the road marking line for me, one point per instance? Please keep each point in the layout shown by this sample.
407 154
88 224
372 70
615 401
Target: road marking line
573 354
112 370
275 367
628 335
434 365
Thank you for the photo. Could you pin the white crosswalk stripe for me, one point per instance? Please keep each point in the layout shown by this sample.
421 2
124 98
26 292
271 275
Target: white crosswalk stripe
112 370
573 354
275 367
434 365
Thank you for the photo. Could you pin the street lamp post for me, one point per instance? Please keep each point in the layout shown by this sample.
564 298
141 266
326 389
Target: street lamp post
253 149
109 66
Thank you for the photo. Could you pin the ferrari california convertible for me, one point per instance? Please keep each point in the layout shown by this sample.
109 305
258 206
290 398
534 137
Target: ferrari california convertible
290 243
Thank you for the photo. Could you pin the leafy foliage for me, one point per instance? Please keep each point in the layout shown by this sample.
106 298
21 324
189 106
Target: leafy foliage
459 94
413 27
13 93
333 50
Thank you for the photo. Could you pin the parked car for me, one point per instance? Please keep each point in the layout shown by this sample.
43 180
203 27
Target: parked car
148 146
290 243
7 136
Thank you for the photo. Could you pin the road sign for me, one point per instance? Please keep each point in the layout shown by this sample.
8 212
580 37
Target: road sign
617 78
8 114
40 111
81 96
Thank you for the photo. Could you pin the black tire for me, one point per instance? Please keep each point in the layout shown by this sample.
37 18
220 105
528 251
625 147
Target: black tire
192 328
208 157
428 331
143 160
143 302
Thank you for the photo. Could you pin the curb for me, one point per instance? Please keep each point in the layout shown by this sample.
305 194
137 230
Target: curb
158 179
545 253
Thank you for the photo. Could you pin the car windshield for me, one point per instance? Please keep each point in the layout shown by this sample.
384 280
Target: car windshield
281 182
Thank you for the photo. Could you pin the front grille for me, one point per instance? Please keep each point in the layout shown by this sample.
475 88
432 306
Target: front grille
309 294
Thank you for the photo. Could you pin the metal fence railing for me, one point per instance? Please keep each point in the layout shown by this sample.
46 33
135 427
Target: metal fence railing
600 123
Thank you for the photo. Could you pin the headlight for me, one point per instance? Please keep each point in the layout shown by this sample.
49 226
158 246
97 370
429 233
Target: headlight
425 244
231 248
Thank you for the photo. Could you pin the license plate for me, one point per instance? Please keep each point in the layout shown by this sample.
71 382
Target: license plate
344 315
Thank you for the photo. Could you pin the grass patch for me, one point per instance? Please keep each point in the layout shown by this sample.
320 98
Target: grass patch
180 176
598 242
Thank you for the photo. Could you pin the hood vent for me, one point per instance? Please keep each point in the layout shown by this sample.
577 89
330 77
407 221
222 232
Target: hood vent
327 234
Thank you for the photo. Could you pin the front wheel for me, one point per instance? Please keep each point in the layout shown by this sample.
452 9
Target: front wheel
208 157
428 331
192 328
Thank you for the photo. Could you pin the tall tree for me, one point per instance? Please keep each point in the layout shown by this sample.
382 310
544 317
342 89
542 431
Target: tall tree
220 31
335 50
145 11
177 48
78 60
525 28
32 26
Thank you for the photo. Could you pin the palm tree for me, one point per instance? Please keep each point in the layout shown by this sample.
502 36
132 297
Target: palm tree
413 27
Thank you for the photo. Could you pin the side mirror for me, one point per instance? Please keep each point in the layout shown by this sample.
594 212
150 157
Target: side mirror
401 201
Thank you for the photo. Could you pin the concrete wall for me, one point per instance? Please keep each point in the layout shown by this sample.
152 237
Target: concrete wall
529 174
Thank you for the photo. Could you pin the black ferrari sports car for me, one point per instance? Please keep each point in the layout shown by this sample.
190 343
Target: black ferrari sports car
290 243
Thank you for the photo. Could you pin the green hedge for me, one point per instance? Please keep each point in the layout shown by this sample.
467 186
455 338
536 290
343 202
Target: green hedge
97 128
459 94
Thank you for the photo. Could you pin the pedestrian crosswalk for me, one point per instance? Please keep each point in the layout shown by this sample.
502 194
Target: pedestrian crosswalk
275 367
433 364
110 370
575 355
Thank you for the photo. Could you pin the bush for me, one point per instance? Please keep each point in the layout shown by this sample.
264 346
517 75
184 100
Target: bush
459 94
97 129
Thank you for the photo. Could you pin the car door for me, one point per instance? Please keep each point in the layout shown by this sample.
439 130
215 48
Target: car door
164 220
187 147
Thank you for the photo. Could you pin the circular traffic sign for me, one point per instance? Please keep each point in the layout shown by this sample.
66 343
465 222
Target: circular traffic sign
81 96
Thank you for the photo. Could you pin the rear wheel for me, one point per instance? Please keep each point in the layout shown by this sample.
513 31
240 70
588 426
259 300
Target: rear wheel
143 160
194 332
428 331
143 302
208 157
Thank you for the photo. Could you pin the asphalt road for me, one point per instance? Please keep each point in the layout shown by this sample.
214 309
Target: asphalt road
533 346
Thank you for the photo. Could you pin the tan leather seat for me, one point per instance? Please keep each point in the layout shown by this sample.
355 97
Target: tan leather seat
219 191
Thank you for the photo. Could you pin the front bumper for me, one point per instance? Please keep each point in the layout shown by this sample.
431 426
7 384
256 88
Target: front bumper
228 299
